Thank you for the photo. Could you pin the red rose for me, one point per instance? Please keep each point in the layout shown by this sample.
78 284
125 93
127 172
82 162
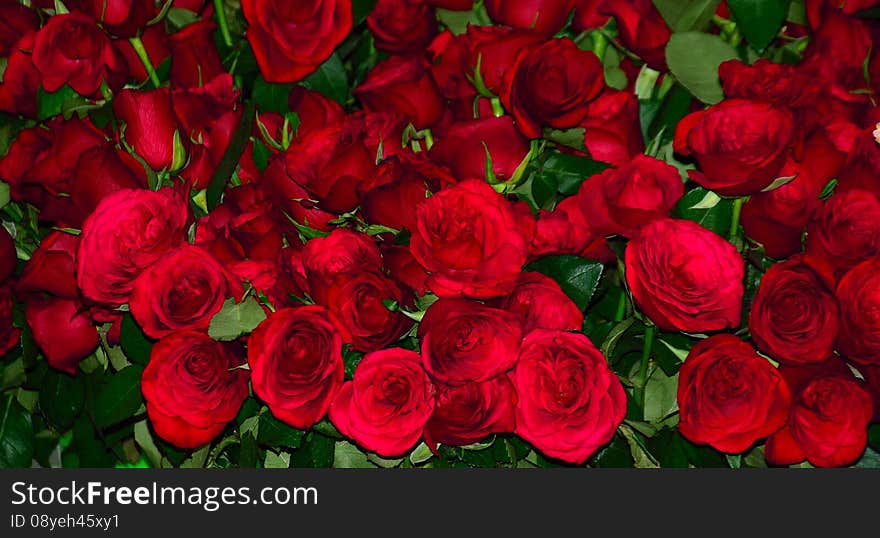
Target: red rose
570 402
729 396
621 200
858 294
447 54
540 303
10 336
295 357
551 85
290 40
543 16
642 29
495 49
150 126
400 27
402 85
314 111
8 258
21 80
62 329
454 5
401 265
685 277
155 43
587 16
128 232
395 186
739 145
358 300
16 21
466 414
463 147
99 172
466 237
827 425
794 316
193 386
72 50
122 18
781 84
846 230
194 57
612 132
564 230
183 289
465 342
387 404
342 251
51 267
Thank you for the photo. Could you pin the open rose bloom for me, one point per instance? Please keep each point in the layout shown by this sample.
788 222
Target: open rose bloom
439 233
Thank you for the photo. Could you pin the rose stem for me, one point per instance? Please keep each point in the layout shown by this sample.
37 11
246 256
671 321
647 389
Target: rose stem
734 219
138 46
642 379
221 20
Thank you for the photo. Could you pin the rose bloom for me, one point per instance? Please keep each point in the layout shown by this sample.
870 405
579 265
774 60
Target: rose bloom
464 341
739 145
466 237
462 147
794 317
540 303
295 356
387 404
465 414
545 17
685 277
729 396
193 387
846 230
291 39
128 231
570 402
858 294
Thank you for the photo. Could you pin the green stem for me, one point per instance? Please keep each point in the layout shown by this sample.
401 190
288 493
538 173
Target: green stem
497 108
734 219
221 21
621 307
642 379
139 49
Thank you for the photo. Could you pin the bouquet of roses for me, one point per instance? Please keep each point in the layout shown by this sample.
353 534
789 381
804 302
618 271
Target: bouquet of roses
432 233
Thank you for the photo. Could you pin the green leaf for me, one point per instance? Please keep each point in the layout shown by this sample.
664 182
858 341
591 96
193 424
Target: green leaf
759 20
778 182
616 455
316 451
274 433
236 319
120 397
687 15
61 398
543 189
330 79
271 97
572 138
179 17
569 171
348 456
578 277
420 454
694 59
457 21
360 10
869 460
660 396
135 344
716 218
16 434
280 460
51 104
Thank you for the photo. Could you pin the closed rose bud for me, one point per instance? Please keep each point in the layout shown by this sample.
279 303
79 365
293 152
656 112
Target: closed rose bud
402 85
545 17
62 329
400 27
463 147
642 29
150 125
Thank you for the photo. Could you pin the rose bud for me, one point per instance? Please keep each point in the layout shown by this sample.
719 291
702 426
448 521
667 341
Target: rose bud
448 62
465 414
642 29
293 200
465 342
729 396
739 145
194 57
827 425
621 200
685 277
540 303
466 237
545 17
550 85
858 295
570 402
295 357
151 128
21 80
387 404
52 267
72 50
564 230
314 111
401 27
846 230
359 300
587 16
612 132
193 387
291 40
463 147
342 251
128 232
62 329
394 186
121 18
794 316
10 336
402 85
495 49
182 290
